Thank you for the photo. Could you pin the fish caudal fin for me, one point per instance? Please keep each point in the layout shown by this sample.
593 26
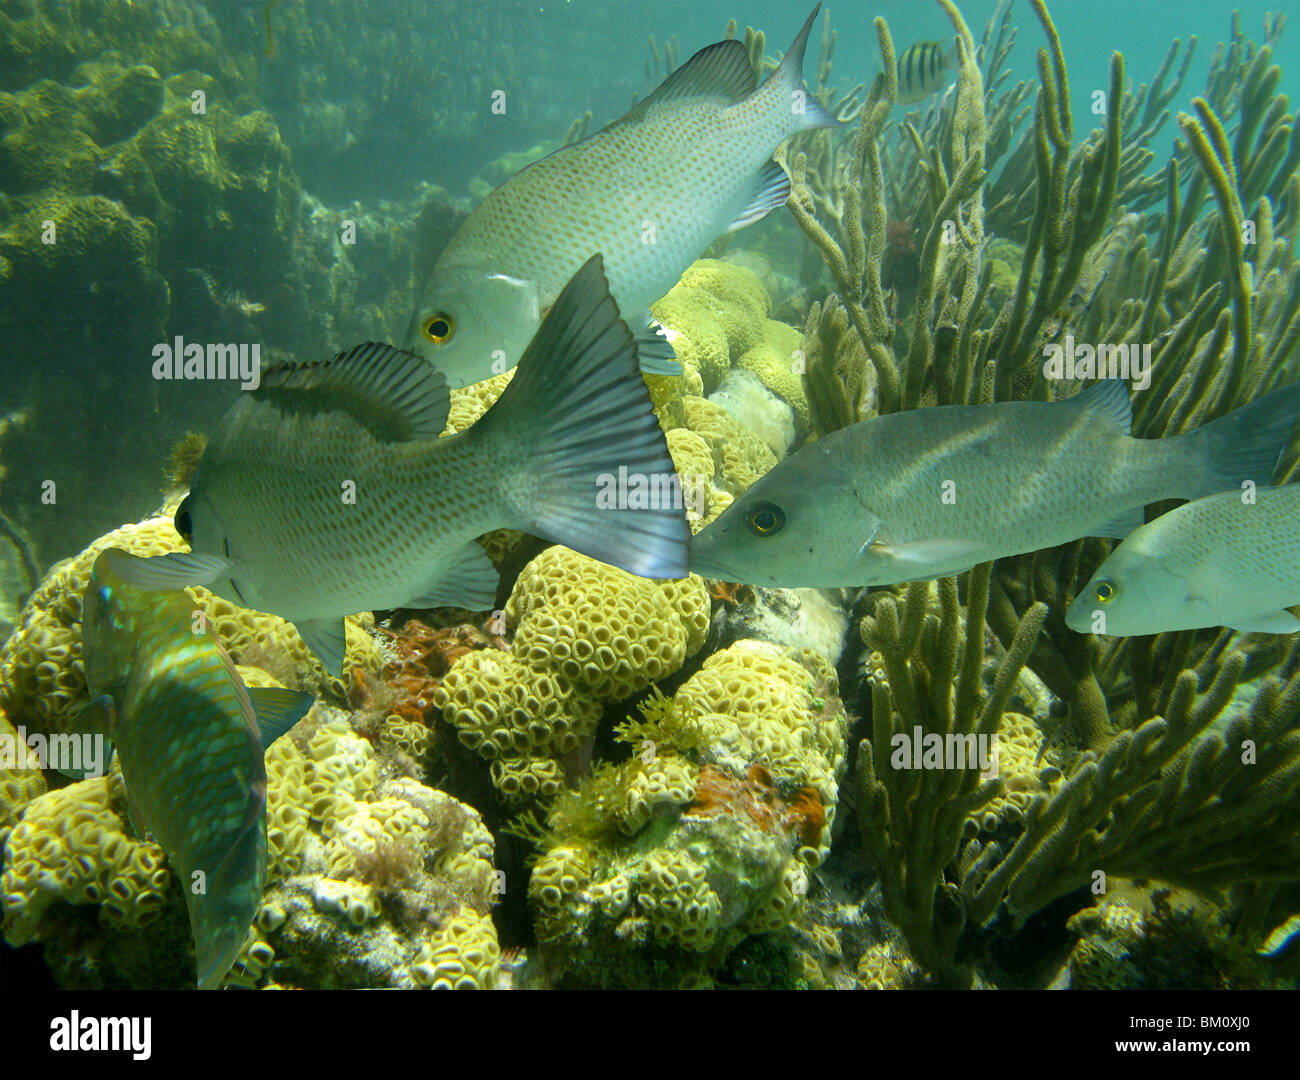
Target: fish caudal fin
580 416
1244 445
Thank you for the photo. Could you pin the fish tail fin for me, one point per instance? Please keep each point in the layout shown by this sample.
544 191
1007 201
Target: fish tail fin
578 418
222 912
786 83
1243 445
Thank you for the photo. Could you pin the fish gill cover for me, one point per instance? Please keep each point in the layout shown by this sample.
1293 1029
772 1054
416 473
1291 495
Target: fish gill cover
602 779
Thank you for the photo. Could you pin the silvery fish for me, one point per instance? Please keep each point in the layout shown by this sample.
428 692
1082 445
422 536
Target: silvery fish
1231 559
650 192
327 491
932 492
190 738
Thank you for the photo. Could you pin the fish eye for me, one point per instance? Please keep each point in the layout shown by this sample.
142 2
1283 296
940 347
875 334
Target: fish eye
766 519
105 594
438 328
183 523
1105 592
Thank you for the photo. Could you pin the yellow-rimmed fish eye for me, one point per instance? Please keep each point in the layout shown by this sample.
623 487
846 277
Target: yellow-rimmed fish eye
766 519
438 328
183 523
1105 592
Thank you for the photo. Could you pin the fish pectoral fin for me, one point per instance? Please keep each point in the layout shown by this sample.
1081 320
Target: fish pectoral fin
98 716
1121 524
1267 622
328 640
771 192
469 582
175 571
277 710
654 352
923 559
133 816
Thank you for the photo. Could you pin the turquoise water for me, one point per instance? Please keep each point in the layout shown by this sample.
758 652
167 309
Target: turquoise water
705 808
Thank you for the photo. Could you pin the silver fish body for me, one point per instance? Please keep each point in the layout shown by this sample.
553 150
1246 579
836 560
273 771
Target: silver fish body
935 491
649 192
327 491
187 735
1231 559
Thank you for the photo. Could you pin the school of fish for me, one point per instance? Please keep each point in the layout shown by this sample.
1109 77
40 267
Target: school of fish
329 490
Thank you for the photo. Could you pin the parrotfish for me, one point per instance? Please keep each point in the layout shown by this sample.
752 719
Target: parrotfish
190 738
650 192
932 492
1231 559
327 491
923 69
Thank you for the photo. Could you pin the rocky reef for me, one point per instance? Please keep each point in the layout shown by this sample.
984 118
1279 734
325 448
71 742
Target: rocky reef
619 782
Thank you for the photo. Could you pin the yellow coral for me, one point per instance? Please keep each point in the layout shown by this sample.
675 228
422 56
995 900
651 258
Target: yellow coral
763 704
667 392
468 403
41 676
743 457
886 967
72 846
555 889
676 897
715 314
773 359
21 779
586 634
600 628
463 955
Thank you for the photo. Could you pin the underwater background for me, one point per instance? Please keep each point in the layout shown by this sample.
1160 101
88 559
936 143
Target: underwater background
613 781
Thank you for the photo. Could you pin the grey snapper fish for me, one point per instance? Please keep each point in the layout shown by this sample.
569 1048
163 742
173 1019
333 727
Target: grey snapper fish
650 192
327 491
1225 560
932 492
190 738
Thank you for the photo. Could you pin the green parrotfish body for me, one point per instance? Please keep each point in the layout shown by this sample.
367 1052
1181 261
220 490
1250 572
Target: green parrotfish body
932 492
650 192
190 739
327 490
1231 559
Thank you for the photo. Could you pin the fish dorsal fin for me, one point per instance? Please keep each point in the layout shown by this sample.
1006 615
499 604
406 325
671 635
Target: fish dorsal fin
1108 399
721 70
396 394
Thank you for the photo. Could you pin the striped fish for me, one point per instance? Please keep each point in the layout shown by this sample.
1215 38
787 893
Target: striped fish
649 192
189 736
922 70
